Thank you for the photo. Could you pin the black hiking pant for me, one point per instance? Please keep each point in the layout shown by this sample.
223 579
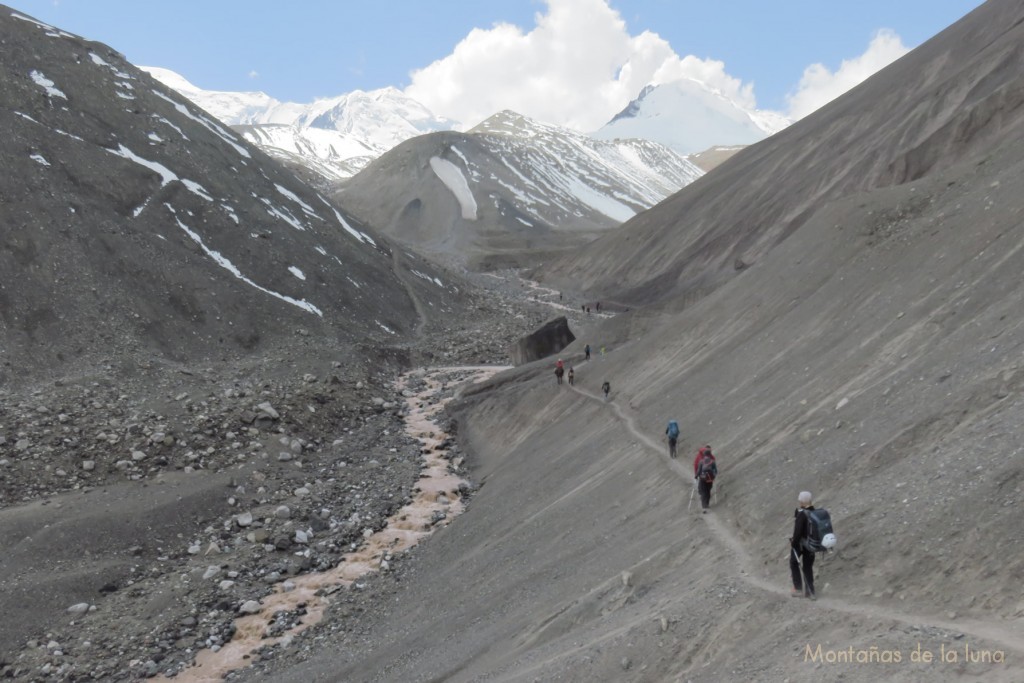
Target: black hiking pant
807 558
704 489
671 447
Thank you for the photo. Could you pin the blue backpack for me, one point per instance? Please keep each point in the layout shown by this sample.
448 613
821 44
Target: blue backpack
673 429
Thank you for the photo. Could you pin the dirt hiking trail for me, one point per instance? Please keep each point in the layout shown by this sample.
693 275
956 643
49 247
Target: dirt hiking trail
995 631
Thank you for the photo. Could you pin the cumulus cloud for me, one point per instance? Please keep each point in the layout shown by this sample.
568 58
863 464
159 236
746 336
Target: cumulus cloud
818 86
577 67
254 74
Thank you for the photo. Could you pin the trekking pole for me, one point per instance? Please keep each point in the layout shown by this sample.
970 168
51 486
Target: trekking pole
688 505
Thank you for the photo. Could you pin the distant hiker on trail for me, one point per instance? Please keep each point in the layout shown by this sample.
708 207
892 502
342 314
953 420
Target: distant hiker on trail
559 370
606 387
800 556
583 307
586 352
704 472
559 296
572 374
598 306
672 431
588 310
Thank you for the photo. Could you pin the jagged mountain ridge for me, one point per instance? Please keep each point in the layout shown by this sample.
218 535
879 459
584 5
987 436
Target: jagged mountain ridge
335 137
135 220
533 187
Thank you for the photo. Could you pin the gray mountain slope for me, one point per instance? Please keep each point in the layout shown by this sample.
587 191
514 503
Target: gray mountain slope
947 101
134 222
536 189
872 357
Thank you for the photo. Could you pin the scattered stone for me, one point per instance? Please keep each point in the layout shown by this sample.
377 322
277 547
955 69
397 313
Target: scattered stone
243 520
268 411
250 607
78 609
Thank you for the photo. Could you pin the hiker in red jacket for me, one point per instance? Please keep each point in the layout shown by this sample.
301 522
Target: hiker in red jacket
700 456
705 469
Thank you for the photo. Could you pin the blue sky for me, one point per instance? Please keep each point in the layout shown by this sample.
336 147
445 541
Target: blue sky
301 50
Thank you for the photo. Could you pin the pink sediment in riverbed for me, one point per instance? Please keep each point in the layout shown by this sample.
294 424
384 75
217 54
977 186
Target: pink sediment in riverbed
404 529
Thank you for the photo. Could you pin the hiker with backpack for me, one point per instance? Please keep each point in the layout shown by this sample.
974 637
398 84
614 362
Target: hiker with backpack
812 533
606 387
586 352
572 375
559 370
672 431
704 472
700 456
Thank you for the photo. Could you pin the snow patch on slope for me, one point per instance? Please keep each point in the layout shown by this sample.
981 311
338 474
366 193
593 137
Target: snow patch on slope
46 84
223 262
451 176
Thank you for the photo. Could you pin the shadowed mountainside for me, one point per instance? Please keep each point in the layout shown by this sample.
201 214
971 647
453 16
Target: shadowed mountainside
133 221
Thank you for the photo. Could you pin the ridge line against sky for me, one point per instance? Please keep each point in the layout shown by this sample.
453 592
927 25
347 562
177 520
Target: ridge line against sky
574 63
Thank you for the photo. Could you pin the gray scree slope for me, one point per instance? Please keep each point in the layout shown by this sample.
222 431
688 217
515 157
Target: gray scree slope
133 222
871 354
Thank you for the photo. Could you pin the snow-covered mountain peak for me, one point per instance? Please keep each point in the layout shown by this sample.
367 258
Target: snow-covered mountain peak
232 108
508 122
385 116
689 116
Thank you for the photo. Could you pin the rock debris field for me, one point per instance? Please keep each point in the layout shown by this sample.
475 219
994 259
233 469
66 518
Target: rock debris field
145 515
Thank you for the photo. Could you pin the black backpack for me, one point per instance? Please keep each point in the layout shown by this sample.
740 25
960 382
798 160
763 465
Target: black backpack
820 536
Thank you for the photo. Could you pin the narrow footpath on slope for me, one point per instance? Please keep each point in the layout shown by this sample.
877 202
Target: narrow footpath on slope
436 501
1002 632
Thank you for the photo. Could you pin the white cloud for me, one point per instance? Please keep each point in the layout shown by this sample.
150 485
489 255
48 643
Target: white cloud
577 67
254 74
819 86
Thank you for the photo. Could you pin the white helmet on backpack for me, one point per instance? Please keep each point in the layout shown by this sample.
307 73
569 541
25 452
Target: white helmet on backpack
829 541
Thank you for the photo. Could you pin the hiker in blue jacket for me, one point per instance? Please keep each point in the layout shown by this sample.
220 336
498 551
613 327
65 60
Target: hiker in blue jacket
672 431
